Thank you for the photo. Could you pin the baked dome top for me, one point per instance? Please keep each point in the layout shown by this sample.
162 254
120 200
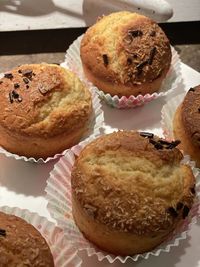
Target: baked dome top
43 100
126 48
21 244
133 182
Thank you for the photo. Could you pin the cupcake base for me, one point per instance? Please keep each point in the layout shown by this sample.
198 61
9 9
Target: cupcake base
60 207
172 80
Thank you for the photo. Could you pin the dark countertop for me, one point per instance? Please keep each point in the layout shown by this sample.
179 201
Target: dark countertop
189 54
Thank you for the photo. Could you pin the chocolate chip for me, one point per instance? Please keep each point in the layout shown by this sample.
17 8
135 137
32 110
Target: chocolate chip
16 85
160 144
10 98
191 89
176 142
164 142
179 206
153 33
27 86
185 211
15 94
156 144
140 66
8 76
146 134
129 61
199 110
19 71
172 212
105 60
151 56
135 33
1 82
2 232
26 80
173 144
192 190
27 72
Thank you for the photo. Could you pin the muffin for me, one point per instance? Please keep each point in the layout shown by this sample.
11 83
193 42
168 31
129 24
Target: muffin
186 124
45 109
21 244
130 191
125 54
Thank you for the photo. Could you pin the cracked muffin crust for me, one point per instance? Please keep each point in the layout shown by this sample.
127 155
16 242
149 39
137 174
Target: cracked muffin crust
187 124
125 54
45 109
21 244
130 191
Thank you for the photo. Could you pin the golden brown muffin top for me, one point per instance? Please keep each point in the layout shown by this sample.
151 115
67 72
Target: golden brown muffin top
190 112
43 100
126 48
21 244
133 182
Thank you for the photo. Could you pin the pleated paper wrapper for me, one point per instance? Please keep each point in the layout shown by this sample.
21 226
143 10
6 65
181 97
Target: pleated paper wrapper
167 115
64 254
172 80
58 194
94 126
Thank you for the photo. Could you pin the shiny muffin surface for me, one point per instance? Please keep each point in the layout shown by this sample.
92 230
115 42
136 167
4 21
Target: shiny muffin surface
126 49
21 244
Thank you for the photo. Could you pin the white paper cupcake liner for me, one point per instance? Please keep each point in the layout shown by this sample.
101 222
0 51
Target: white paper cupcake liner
167 115
94 126
173 78
58 194
63 253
